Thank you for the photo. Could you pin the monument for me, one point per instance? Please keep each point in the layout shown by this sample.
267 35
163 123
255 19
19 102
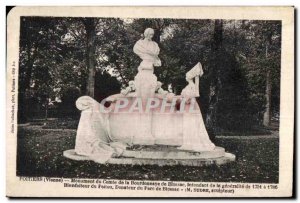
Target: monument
146 124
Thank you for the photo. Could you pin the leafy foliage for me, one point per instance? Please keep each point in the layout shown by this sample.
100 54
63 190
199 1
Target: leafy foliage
55 56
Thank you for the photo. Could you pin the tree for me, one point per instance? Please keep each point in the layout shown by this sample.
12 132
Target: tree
258 52
39 49
240 58
215 83
272 32
230 108
90 28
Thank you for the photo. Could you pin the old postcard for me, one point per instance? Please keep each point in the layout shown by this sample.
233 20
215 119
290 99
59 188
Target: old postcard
150 102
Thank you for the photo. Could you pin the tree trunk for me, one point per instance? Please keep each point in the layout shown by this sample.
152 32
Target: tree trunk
90 27
46 110
159 27
267 113
218 35
214 76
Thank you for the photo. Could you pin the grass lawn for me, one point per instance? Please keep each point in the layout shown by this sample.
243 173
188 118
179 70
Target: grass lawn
40 154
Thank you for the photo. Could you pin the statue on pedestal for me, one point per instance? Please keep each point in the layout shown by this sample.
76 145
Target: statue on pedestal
147 50
144 114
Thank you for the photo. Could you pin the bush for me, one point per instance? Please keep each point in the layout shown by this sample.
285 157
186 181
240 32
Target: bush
231 108
67 107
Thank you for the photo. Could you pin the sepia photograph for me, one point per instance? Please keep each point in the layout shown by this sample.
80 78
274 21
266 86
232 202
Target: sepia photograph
157 105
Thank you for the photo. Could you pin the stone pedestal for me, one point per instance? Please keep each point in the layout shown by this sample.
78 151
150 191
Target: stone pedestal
163 155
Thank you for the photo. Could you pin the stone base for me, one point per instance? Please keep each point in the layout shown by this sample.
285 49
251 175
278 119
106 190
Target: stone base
163 155
170 152
171 162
